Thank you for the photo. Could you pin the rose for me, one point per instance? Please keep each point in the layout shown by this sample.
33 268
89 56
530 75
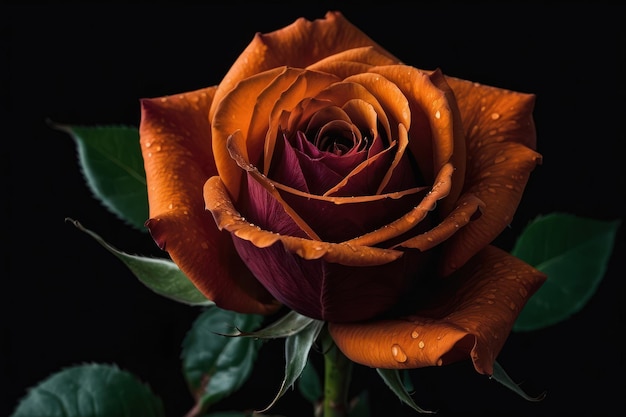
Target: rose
324 174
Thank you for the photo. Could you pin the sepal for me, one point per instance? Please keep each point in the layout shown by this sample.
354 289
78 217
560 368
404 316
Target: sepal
160 275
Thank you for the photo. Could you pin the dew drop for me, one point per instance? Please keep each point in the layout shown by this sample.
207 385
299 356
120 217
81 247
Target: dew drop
495 116
415 334
421 344
438 114
398 353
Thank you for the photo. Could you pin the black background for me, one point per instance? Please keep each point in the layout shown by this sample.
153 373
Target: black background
66 300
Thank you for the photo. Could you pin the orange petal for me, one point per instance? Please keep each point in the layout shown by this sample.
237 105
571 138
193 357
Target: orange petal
352 61
228 218
342 92
439 190
457 153
175 137
299 45
388 94
235 113
496 175
262 134
470 317
432 136
492 114
469 208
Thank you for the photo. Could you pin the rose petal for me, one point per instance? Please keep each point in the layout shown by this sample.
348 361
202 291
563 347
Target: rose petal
432 136
262 135
454 152
342 92
496 175
175 140
235 113
469 208
228 218
298 45
352 61
410 220
471 317
492 114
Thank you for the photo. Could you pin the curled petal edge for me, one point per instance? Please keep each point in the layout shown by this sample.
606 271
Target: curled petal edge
228 218
438 191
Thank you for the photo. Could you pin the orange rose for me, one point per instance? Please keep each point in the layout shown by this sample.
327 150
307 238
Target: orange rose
324 174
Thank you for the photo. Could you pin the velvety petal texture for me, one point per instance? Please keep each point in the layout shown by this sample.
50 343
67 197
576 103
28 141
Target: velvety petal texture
469 316
325 175
176 147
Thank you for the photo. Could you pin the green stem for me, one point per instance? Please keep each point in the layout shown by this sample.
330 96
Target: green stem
337 376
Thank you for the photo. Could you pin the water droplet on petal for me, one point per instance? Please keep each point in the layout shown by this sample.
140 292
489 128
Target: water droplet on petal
421 344
495 116
415 334
398 353
438 114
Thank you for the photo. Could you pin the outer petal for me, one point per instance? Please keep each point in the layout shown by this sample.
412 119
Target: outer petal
470 317
501 139
299 45
176 146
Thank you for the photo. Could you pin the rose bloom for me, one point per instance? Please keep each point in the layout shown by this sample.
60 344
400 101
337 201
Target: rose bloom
325 175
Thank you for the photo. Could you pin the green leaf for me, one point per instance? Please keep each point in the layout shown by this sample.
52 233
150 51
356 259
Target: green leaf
503 378
160 275
309 384
573 252
297 348
111 162
394 382
214 365
94 390
288 325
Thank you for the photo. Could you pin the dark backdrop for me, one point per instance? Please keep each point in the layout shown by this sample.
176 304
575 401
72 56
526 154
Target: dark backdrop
66 300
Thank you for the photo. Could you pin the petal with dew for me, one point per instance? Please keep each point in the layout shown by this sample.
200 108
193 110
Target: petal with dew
469 209
410 220
492 114
470 317
228 218
175 138
432 118
497 175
